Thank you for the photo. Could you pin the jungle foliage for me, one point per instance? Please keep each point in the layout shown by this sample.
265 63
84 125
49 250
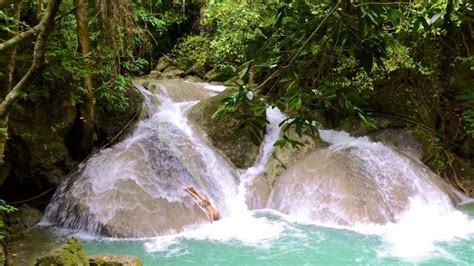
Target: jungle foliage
319 61
124 38
334 59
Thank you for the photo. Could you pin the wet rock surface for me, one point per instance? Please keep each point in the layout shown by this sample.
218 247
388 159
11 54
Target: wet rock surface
221 131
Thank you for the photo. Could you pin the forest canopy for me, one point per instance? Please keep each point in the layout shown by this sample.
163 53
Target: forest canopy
319 61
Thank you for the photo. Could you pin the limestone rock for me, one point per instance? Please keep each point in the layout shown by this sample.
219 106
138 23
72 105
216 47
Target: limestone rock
114 260
221 131
345 188
163 63
134 202
155 74
21 220
357 128
259 189
136 187
177 90
399 139
173 73
258 192
193 78
72 253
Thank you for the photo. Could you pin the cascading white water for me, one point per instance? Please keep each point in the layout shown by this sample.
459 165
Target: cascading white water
136 188
272 134
242 225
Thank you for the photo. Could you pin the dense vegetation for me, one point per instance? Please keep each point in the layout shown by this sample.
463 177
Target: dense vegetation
322 62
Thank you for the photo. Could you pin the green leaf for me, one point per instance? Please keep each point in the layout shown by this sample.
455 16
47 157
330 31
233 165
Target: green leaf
227 73
244 72
285 141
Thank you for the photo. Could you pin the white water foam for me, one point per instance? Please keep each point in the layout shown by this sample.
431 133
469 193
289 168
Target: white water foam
248 230
419 232
274 117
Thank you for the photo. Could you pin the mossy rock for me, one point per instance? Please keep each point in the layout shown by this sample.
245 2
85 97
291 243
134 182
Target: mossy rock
114 260
358 128
72 253
221 131
36 145
21 220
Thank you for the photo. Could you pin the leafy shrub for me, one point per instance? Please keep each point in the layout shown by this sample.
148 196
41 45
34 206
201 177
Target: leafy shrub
4 209
230 29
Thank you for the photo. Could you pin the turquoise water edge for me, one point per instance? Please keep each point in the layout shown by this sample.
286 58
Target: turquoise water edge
295 244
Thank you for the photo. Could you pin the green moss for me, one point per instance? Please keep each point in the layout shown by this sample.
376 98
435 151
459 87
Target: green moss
72 253
114 260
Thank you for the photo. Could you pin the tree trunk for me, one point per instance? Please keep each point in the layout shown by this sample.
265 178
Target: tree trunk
87 107
11 55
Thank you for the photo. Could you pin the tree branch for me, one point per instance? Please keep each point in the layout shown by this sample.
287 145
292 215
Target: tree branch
312 35
45 26
11 54
20 37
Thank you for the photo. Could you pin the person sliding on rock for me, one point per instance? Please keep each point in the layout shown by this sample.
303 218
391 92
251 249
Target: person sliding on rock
212 213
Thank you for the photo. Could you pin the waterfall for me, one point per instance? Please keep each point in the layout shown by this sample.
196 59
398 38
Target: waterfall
135 188
272 134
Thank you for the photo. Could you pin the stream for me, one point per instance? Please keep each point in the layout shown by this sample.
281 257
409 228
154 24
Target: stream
354 201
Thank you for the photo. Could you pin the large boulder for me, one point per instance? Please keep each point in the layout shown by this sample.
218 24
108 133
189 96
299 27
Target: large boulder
21 220
130 190
36 146
72 253
136 187
177 90
356 182
221 131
